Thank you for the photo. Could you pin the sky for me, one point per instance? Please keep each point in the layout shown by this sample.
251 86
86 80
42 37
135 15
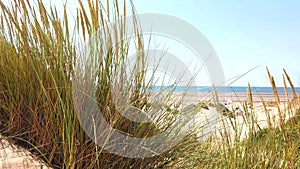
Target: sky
244 34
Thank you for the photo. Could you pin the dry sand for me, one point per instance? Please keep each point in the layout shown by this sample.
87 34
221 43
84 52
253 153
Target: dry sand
12 157
260 113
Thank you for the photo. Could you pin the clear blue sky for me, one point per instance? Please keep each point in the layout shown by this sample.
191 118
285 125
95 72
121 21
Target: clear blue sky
244 33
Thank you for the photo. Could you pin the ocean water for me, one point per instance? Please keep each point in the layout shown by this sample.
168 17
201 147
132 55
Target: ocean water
228 89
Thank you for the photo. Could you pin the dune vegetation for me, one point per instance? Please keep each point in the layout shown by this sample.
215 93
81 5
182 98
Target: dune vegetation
38 54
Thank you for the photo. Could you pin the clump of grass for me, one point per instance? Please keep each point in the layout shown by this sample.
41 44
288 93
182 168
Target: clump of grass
274 147
38 58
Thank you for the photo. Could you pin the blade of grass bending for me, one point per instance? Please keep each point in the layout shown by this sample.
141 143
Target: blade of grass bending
291 84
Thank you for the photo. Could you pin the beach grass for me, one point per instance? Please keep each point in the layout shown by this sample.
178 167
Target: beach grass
38 55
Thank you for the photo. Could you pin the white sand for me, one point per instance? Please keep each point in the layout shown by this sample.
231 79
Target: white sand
259 117
12 157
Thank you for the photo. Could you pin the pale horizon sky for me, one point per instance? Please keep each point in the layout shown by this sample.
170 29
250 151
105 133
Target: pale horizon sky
244 33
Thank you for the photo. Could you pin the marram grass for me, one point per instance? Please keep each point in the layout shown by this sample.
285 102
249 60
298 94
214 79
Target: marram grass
38 56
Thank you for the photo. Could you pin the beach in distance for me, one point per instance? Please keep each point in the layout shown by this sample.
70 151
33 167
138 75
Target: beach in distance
226 89
196 94
237 101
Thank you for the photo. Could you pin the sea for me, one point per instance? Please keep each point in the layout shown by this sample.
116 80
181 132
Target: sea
227 89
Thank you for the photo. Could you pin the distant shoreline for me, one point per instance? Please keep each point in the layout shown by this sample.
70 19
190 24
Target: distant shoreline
227 90
192 97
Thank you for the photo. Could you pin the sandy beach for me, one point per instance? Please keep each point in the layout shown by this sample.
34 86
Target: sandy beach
213 121
260 114
235 97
